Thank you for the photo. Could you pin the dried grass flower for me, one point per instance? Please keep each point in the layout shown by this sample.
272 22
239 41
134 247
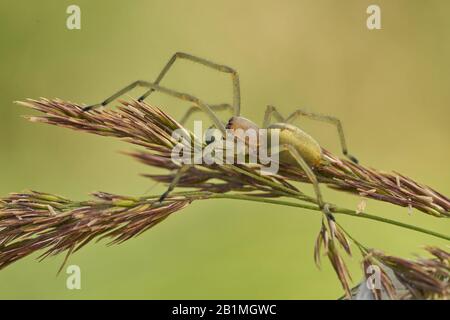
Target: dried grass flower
33 221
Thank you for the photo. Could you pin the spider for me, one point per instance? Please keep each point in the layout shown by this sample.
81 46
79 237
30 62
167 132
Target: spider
295 146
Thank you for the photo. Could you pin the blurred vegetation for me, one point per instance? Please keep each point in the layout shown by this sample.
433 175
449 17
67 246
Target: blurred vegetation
389 87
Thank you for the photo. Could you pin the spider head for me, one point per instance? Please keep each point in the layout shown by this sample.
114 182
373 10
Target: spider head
241 123
243 129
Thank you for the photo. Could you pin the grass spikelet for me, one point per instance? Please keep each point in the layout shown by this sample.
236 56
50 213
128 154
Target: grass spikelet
34 221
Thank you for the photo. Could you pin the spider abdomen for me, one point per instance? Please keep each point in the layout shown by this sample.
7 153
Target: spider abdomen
302 142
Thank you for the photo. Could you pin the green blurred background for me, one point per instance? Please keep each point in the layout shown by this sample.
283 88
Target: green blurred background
389 87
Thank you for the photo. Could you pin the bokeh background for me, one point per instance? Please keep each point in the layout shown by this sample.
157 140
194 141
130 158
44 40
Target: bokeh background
389 87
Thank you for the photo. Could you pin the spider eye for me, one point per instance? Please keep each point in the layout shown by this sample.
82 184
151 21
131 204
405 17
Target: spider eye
230 123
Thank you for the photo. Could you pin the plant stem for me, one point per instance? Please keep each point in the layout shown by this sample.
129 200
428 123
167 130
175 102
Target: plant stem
202 195
336 210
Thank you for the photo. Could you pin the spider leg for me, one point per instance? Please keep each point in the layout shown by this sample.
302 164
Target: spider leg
311 176
116 95
271 110
193 109
176 94
181 171
209 64
324 118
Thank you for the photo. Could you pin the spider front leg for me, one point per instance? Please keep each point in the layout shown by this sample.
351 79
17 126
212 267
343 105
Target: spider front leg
325 118
181 55
176 94
209 64
138 83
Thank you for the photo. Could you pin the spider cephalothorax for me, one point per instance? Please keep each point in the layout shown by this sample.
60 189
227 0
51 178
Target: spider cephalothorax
238 122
